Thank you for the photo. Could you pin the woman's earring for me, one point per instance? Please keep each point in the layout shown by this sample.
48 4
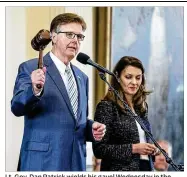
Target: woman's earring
118 79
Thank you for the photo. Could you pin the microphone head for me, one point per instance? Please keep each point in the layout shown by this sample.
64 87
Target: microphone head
82 58
41 40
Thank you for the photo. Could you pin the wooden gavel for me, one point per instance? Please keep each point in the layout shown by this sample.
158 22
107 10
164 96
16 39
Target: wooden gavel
38 43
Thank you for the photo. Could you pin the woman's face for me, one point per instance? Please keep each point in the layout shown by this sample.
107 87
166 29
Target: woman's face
131 79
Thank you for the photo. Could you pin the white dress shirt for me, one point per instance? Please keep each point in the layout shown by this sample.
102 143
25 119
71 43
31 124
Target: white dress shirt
61 68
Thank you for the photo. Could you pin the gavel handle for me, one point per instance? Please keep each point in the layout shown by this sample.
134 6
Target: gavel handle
40 65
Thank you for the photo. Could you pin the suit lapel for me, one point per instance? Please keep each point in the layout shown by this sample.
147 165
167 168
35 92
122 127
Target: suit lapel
56 77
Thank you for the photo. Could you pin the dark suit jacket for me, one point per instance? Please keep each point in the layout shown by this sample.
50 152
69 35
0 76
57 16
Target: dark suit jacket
115 149
53 139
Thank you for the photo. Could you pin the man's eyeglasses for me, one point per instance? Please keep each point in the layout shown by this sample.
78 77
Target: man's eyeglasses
71 35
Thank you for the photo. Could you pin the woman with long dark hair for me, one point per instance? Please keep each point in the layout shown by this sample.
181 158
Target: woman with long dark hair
125 146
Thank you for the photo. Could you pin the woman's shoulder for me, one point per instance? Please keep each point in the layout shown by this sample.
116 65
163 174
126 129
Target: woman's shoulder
106 103
105 111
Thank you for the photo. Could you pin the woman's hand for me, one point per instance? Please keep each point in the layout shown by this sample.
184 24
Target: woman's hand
143 149
156 152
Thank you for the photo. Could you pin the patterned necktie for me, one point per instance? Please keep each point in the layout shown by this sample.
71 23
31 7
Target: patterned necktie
72 91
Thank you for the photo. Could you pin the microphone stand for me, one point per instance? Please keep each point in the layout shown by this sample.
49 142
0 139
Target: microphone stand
168 159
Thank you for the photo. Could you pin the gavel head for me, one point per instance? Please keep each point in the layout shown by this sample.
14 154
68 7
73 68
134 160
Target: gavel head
41 40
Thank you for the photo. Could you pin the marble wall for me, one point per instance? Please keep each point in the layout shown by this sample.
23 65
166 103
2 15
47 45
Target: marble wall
155 36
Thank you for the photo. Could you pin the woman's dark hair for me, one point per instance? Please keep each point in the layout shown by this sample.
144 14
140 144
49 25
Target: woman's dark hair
140 97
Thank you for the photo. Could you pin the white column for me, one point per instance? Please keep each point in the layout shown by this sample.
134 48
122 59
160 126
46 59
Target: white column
15 54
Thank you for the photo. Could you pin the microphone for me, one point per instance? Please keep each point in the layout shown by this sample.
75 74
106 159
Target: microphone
41 40
85 59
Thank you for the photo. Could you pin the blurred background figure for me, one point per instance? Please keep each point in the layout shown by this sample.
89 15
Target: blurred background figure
160 163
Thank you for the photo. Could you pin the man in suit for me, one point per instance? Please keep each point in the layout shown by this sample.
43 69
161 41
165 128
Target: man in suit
56 126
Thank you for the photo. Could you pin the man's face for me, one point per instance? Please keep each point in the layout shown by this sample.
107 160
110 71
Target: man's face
64 47
160 163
